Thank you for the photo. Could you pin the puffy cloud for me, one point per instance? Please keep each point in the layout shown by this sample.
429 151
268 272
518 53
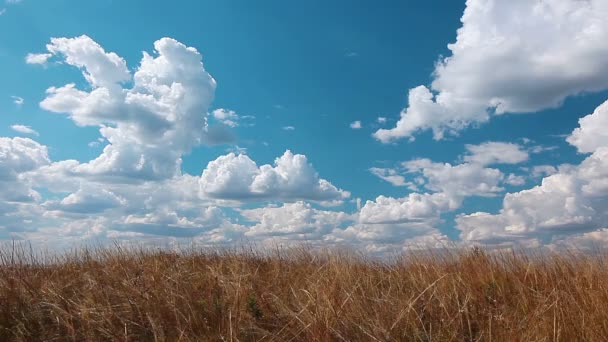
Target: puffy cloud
457 181
37 58
515 180
226 116
98 67
543 170
87 200
292 178
573 199
24 129
148 126
356 124
492 152
18 156
510 57
413 208
390 175
592 131
296 221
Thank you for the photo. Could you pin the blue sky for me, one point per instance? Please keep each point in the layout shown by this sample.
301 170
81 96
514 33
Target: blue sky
400 124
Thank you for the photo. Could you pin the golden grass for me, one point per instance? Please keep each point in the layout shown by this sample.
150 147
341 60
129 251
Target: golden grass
300 295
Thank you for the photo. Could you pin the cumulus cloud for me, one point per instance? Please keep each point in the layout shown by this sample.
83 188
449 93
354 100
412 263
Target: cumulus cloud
413 208
457 181
356 124
390 175
296 221
148 126
226 116
492 152
18 156
574 199
592 132
24 129
291 178
37 58
510 57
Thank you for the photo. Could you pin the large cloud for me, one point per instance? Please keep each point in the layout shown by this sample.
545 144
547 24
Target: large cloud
150 125
494 152
291 178
295 221
592 132
575 199
510 57
17 156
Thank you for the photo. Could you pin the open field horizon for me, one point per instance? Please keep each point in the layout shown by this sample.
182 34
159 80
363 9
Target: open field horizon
295 294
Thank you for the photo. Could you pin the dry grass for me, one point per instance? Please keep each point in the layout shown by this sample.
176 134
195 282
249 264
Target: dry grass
298 295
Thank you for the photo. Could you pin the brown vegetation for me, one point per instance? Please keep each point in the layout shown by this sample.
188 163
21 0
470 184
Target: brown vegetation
299 295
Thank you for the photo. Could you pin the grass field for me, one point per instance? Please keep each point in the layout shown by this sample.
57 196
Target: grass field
300 295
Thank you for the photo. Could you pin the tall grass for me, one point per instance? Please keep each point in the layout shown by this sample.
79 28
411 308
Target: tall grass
301 295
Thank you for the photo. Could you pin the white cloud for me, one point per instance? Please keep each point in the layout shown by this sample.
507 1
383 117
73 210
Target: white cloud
543 170
390 175
24 129
515 180
510 57
148 126
295 221
592 131
87 200
381 120
229 117
457 181
13 1
413 208
289 128
492 152
17 156
37 58
18 100
292 178
355 124
572 199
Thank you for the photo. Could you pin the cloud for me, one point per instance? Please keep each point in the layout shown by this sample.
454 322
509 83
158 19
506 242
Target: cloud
381 120
413 208
18 156
289 128
291 178
295 221
148 126
592 132
355 124
37 58
226 116
87 200
24 129
510 57
390 175
2 11
457 181
573 199
491 152
18 100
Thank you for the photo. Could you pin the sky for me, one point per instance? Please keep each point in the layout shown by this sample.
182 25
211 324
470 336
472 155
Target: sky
381 127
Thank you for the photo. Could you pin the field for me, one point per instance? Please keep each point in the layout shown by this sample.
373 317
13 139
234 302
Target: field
301 295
